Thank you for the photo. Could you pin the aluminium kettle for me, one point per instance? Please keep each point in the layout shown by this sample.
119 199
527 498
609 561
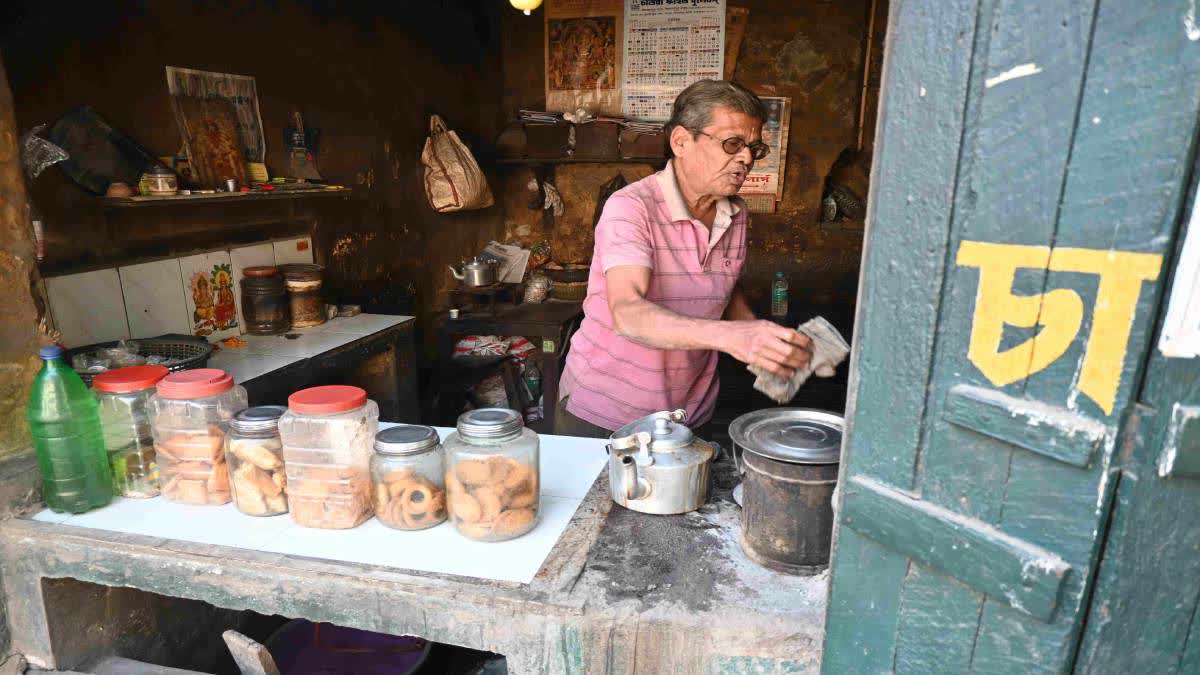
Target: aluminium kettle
476 272
656 465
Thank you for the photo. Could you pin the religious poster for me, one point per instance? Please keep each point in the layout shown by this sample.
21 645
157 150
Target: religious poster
669 44
219 120
583 55
766 178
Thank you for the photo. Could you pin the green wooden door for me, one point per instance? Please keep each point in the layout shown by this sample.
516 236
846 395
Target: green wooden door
1143 615
1030 169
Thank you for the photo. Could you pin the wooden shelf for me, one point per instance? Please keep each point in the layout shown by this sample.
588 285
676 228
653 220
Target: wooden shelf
220 198
532 161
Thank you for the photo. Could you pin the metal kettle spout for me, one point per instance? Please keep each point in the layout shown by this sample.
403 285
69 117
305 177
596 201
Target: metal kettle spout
457 275
634 488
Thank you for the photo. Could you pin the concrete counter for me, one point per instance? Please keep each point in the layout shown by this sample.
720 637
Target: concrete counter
621 592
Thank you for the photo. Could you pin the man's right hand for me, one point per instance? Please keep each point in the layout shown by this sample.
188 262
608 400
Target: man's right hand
767 345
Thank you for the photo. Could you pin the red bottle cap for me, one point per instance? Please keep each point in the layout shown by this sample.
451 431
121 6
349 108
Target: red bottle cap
133 378
333 398
196 383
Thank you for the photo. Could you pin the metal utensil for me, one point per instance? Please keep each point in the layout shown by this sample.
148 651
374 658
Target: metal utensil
656 465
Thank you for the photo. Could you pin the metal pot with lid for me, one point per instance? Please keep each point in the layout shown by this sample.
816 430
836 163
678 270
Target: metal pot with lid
657 465
789 464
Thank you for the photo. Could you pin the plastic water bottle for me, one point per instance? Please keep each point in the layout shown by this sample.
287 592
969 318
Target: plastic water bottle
779 297
64 420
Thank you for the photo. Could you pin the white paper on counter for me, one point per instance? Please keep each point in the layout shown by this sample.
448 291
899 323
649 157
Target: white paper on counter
569 467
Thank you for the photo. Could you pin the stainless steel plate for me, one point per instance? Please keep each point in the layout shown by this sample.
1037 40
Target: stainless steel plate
794 435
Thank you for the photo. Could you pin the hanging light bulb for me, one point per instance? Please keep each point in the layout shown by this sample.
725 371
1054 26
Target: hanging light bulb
526 6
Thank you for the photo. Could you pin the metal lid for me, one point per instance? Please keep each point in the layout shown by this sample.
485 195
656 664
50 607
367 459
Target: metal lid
490 423
793 435
257 419
405 439
667 429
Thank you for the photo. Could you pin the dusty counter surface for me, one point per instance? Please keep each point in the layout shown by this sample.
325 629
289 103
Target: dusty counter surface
621 592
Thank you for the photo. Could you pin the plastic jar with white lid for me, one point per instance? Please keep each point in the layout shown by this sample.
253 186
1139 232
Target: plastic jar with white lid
192 409
492 475
328 435
126 419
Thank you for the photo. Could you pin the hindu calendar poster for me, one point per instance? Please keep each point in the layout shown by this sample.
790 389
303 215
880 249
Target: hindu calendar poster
669 44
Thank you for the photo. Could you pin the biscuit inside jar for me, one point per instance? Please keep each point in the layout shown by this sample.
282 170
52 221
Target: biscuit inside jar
492 499
409 501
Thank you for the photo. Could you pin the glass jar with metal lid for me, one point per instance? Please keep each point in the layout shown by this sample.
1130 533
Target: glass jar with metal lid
408 473
126 418
492 477
254 455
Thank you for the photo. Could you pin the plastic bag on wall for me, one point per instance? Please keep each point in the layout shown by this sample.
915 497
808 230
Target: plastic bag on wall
453 179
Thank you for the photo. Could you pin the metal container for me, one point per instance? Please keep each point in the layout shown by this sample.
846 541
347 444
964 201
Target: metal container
264 301
789 463
304 294
476 272
656 465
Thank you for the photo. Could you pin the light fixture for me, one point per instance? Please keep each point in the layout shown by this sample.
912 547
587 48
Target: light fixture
526 6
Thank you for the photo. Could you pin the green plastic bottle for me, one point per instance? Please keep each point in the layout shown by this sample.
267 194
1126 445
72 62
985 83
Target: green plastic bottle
64 420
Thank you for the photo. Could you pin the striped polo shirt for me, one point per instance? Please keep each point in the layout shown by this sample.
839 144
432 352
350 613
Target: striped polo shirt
611 380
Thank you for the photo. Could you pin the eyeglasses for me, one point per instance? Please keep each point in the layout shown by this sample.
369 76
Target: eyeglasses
734 144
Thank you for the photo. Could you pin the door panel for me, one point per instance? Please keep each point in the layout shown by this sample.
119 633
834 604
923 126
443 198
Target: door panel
1143 616
973 548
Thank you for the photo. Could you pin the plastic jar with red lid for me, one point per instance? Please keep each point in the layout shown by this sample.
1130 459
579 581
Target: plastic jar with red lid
328 436
192 409
125 417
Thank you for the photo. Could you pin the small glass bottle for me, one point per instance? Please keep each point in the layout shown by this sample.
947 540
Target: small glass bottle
492 475
408 473
254 454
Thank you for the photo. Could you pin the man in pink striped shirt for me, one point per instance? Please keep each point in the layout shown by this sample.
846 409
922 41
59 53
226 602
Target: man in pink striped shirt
663 294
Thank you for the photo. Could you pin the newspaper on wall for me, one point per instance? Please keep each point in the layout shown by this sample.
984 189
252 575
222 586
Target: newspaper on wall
669 44
766 179
583 55
239 90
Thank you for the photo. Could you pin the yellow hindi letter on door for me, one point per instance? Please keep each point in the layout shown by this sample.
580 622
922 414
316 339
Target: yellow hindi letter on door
1059 312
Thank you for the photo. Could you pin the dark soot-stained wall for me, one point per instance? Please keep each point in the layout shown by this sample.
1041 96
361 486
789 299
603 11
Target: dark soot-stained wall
366 75
810 50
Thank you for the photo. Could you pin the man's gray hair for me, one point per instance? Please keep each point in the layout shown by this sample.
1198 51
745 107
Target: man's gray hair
694 106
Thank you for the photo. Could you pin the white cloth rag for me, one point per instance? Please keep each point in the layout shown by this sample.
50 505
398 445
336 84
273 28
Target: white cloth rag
829 349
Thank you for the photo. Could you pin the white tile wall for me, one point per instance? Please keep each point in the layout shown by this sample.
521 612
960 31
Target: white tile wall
290 251
248 256
154 301
153 298
88 307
